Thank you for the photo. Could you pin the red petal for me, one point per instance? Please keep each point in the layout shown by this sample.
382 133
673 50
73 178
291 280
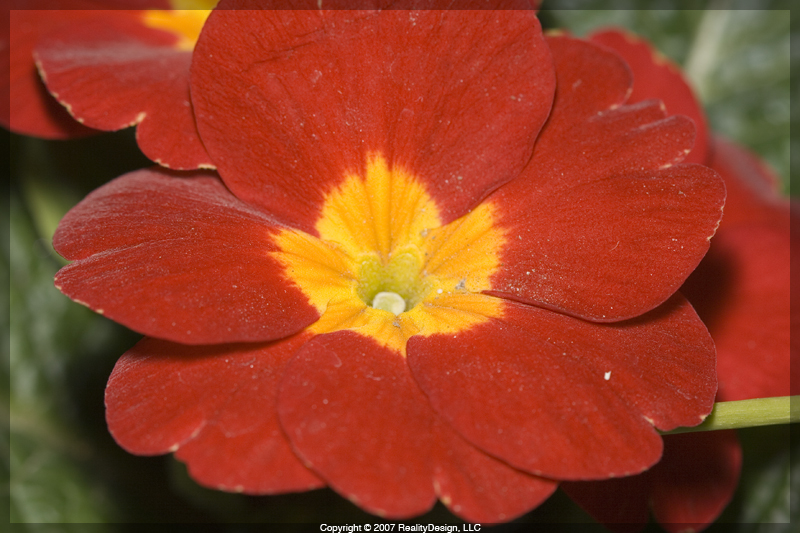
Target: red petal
620 504
178 258
290 102
597 226
696 479
609 249
113 72
568 399
753 188
794 291
354 414
588 136
480 488
590 80
655 76
741 289
215 406
33 111
688 488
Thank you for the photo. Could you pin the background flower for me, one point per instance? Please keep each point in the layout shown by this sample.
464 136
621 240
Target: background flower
112 64
741 290
65 466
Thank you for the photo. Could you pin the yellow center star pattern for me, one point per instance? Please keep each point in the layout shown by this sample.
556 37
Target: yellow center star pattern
381 242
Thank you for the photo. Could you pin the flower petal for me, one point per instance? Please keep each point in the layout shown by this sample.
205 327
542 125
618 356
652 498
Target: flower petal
33 110
113 72
655 76
753 188
620 504
568 399
609 249
741 290
599 226
290 102
588 136
696 479
794 293
179 258
590 80
479 488
214 406
354 414
687 489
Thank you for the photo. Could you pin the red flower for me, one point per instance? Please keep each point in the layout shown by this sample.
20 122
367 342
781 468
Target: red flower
375 161
741 290
110 68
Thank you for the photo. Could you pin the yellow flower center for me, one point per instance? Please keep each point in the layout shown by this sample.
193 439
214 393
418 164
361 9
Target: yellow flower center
185 20
384 265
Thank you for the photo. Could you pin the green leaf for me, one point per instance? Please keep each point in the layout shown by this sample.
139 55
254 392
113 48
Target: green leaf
739 64
64 467
47 457
670 30
770 479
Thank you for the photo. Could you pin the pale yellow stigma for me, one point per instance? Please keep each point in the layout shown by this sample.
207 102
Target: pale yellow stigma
389 301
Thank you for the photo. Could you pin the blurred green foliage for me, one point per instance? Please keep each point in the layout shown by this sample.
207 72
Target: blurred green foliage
46 452
64 467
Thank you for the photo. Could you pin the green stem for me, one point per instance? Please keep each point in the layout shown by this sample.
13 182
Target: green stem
748 413
707 48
